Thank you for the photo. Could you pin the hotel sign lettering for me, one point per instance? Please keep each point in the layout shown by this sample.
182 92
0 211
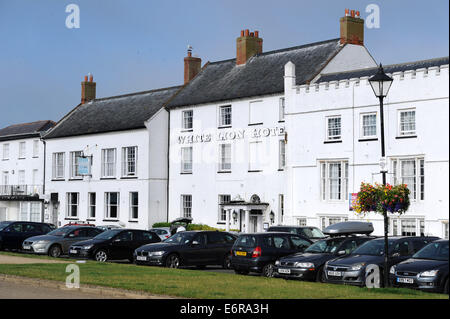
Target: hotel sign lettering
231 135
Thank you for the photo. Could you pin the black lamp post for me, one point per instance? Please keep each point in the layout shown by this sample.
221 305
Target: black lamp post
381 84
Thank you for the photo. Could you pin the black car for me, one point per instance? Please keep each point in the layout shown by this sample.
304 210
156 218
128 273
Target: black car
258 252
13 233
188 248
427 269
351 269
310 232
309 264
114 244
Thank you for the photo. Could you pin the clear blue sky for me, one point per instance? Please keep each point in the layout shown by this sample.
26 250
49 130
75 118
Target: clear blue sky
131 45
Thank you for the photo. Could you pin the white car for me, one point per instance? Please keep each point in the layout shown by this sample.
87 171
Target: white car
162 232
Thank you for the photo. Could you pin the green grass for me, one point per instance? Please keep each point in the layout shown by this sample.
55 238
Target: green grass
201 284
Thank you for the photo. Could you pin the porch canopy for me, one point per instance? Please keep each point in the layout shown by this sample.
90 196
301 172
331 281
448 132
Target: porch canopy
238 204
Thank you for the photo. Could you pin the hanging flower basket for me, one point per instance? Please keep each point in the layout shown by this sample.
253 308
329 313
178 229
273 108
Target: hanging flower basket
382 198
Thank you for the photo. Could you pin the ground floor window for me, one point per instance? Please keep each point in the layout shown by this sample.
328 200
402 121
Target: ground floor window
301 221
92 197
186 205
72 204
445 230
134 205
326 221
408 227
223 199
30 212
112 205
281 208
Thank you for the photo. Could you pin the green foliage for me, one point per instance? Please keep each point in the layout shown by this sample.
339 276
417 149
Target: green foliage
162 224
382 198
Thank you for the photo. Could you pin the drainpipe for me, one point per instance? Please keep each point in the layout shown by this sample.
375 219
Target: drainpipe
168 165
43 182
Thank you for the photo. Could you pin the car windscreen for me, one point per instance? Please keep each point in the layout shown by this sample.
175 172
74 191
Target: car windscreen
3 225
180 238
312 232
60 232
373 248
433 251
246 241
325 246
108 234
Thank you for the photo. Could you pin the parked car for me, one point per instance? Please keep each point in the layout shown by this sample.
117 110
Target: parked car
188 248
427 269
58 241
163 232
181 223
79 223
351 269
108 227
312 233
258 252
309 264
13 233
114 244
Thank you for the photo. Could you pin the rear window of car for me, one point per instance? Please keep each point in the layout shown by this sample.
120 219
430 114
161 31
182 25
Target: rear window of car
246 241
277 241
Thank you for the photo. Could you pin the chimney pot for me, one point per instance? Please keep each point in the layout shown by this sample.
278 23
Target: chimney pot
357 14
257 34
352 13
352 30
247 46
91 78
242 33
88 89
347 12
247 32
252 34
85 78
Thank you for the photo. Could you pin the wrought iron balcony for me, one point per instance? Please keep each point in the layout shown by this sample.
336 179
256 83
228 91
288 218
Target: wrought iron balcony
21 190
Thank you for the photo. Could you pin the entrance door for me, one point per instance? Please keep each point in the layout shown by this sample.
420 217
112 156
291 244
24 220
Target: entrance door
2 214
253 224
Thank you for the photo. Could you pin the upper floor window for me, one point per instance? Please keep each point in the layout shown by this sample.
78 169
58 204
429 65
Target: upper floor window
225 157
282 109
129 161
186 159
282 154
22 150
368 125
334 180
410 171
333 128
225 116
256 113
58 165
74 163
407 122
36 148
187 122
255 156
109 162
5 151
21 177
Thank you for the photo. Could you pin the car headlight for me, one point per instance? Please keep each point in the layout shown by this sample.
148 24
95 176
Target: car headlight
41 242
277 263
358 266
156 253
304 265
392 270
429 273
87 247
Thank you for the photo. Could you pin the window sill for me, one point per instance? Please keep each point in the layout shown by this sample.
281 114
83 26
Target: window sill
406 136
223 126
21 158
129 177
107 178
369 139
91 219
281 169
75 179
134 221
255 171
223 172
110 220
332 142
221 223
281 121
186 173
254 124
187 130
35 157
5 159
71 218
58 180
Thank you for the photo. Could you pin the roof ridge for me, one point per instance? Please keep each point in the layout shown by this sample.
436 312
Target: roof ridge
26 123
135 93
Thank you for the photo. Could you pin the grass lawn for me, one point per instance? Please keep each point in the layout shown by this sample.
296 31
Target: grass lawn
201 284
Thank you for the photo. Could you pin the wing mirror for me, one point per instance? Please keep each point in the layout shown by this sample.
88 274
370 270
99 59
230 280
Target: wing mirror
395 255
117 240
195 243
341 252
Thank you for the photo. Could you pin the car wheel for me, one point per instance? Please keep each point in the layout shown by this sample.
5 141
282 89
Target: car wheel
241 272
268 270
101 255
227 262
173 261
55 251
320 276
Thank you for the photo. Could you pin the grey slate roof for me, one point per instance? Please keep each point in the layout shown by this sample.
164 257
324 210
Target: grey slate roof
401 67
117 113
261 75
24 130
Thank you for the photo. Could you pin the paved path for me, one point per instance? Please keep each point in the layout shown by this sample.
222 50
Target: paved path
7 259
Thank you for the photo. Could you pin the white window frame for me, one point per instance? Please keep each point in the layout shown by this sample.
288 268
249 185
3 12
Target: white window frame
186 160
223 199
362 126
259 111
70 205
108 205
58 165
225 157
282 109
186 205
445 229
134 206
327 220
255 164
400 124
328 128
108 163
21 177
418 192
186 119
128 161
5 155
92 207
22 150
281 208
74 156
325 179
225 116
281 154
302 221
35 148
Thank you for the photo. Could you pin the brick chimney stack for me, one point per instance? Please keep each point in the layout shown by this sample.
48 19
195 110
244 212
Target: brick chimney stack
352 28
192 66
88 89
247 45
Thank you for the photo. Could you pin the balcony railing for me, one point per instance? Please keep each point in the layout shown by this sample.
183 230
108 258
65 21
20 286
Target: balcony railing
20 190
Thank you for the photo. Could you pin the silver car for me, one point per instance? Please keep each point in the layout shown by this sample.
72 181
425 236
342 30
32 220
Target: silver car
58 241
162 232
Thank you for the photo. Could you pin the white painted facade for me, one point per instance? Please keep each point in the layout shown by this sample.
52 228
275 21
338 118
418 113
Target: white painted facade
21 174
110 181
423 91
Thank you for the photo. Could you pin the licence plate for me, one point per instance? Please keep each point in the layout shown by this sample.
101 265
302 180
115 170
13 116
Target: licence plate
27 247
73 251
241 253
405 280
334 273
284 271
141 258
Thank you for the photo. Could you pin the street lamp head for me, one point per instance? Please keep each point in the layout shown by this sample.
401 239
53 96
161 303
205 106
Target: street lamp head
380 83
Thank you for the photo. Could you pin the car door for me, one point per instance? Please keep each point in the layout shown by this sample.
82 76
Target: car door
280 245
74 236
215 248
121 246
298 244
12 236
402 250
196 253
